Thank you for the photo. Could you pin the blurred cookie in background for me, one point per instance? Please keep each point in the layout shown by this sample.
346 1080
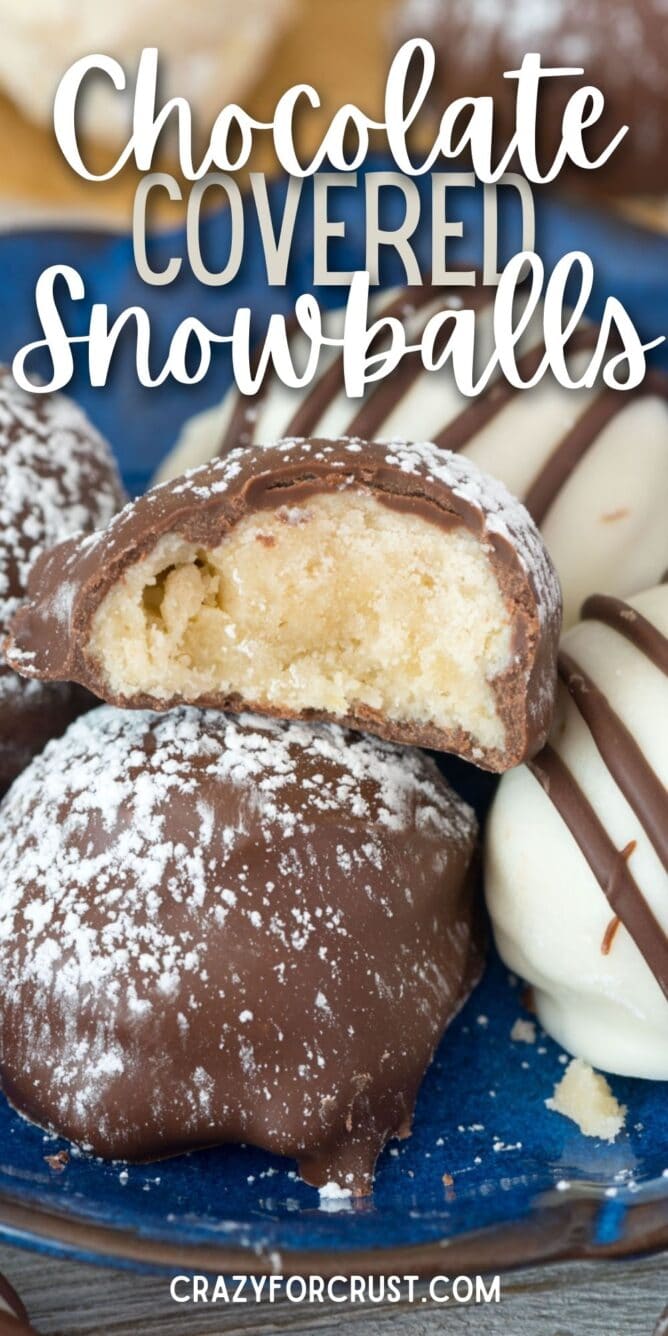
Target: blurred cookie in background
622 45
57 477
211 52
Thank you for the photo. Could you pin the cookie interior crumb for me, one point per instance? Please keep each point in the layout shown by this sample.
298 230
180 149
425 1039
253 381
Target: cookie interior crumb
585 1096
333 603
523 1032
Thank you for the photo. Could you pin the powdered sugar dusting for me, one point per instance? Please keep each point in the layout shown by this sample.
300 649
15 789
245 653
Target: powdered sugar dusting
569 32
86 833
203 893
56 477
503 514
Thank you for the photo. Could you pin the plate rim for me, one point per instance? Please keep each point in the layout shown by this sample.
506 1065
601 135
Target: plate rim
549 1233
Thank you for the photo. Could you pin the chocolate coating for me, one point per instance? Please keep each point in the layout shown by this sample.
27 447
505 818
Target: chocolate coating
230 930
13 1316
57 476
50 634
622 45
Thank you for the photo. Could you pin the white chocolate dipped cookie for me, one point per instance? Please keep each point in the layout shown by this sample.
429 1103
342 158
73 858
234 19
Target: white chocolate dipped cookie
577 845
591 465
210 52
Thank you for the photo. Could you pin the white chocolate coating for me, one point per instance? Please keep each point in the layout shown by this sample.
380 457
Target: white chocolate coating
549 912
605 522
211 51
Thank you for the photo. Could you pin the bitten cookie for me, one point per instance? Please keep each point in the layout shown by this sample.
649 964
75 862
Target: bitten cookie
57 476
230 930
566 453
393 588
577 845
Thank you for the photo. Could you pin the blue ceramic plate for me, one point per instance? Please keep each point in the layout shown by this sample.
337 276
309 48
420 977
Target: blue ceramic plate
490 1178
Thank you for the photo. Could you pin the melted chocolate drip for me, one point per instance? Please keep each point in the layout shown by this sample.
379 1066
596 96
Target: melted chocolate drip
318 928
607 863
632 773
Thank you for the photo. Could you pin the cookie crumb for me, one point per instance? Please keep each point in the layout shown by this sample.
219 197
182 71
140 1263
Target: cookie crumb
523 1032
585 1096
58 1162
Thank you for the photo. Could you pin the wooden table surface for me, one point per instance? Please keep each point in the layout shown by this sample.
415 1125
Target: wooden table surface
583 1299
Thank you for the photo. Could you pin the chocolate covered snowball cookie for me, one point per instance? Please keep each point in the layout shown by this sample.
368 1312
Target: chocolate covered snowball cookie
621 45
230 930
394 588
577 845
57 476
599 502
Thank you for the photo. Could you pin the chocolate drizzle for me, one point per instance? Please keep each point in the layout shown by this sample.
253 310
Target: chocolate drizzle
368 420
628 622
460 432
607 863
632 773
378 403
381 402
239 430
568 453
325 390
574 445
370 417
